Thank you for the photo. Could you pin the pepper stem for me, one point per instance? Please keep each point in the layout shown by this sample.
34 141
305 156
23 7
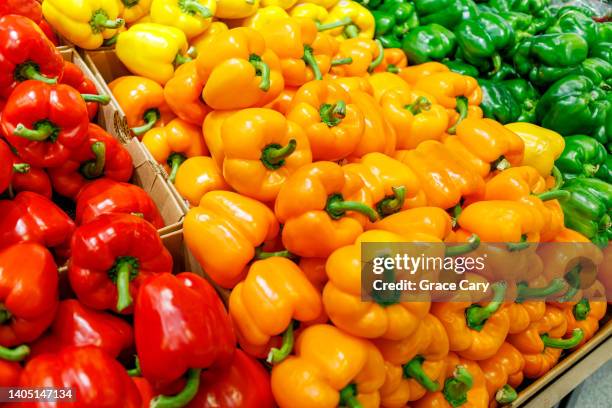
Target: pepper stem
30 70
554 195
456 387
414 369
262 69
379 58
276 355
273 156
41 132
150 117
456 250
182 398
332 113
393 203
101 99
109 42
334 24
21 168
581 310
590 169
351 31
309 58
348 397
497 63
577 336
462 108
572 279
14 354
5 314
94 168
558 178
194 7
135 372
336 207
261 254
422 103
342 61
123 271
476 316
506 395
100 21
181 59
393 69
525 292
518 246
174 161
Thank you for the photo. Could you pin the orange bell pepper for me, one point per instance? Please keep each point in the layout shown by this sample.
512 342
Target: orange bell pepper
172 144
211 129
274 292
196 177
353 83
391 184
503 373
378 134
322 208
334 125
224 232
414 365
364 56
522 314
142 101
262 149
426 220
475 331
465 386
394 60
383 82
283 101
415 115
414 73
330 368
214 28
314 270
585 315
239 71
183 94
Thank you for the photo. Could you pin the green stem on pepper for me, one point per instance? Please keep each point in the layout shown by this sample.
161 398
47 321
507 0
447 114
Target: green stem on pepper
150 118
174 161
414 369
336 207
462 108
310 60
476 316
93 169
276 355
273 156
182 398
461 249
263 70
577 336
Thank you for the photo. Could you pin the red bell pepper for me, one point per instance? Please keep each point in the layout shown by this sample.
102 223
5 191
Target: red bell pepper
78 325
96 378
74 77
108 196
145 389
101 155
9 373
111 257
28 293
27 8
26 53
45 123
9 166
244 384
48 30
181 326
31 217
32 179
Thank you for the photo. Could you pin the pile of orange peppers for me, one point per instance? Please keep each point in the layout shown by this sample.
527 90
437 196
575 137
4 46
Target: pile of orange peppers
295 137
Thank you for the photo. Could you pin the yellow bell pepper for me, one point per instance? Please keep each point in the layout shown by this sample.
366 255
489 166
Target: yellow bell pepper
310 11
214 28
236 8
323 3
264 16
85 23
542 146
284 4
196 177
385 81
360 20
151 50
134 10
190 16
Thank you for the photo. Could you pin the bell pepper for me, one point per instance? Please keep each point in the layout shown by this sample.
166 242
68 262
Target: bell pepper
604 173
358 56
310 10
108 196
361 20
503 373
542 146
34 179
539 9
498 102
313 205
414 73
224 231
239 70
462 67
165 356
8 167
192 17
142 101
581 157
27 8
26 54
465 386
383 82
196 177
183 94
354 83
88 371
101 155
172 144
447 13
598 70
28 300
74 77
542 342
431 221
233 9
394 19
574 105
159 48
274 292
244 383
415 115
574 21
10 371
84 23
378 134
30 217
394 60
264 16
330 368
134 10
45 123
274 149
585 315
333 124
105 271
214 28
428 42
78 325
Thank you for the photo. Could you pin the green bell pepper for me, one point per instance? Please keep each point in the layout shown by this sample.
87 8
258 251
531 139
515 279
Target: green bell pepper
601 50
497 102
394 18
526 96
598 70
604 32
581 157
428 43
521 23
469 9
538 9
605 170
573 21
461 67
370 4
447 13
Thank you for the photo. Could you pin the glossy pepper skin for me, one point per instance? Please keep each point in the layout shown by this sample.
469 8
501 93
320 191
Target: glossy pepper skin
584 315
503 373
7 166
394 19
330 368
542 146
364 56
262 149
239 70
378 134
134 10
582 157
28 8
223 232
511 100
108 196
28 300
26 54
10 371
89 22
35 180
573 21
77 325
428 43
101 155
394 60
93 375
447 13
196 177
322 208
180 301
45 123
192 17
361 20
74 77
183 94
111 257
274 292
235 9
